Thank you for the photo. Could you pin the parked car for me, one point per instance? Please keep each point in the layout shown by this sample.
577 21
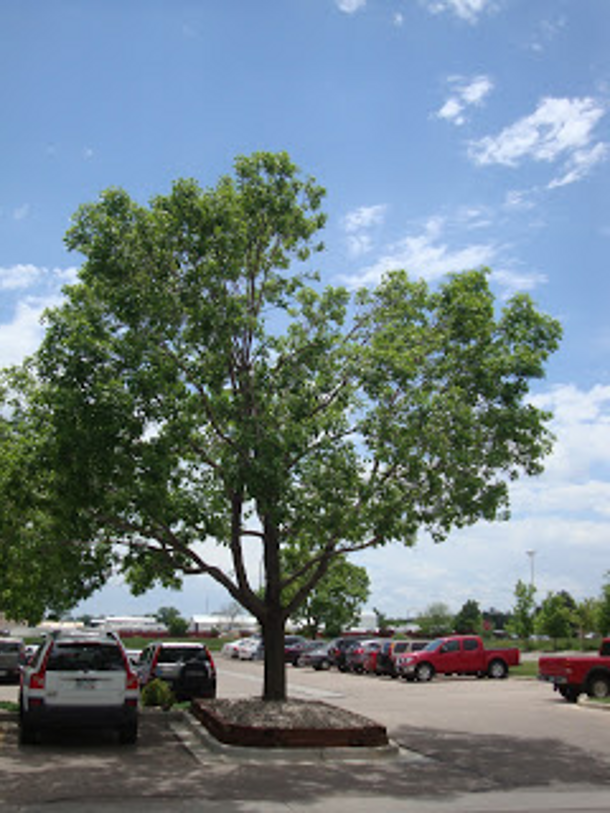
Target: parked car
30 652
391 651
574 675
358 655
188 668
12 658
134 656
400 651
293 650
231 648
338 648
459 655
318 657
251 649
79 681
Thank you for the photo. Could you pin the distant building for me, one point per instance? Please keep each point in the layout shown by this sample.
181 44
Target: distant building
135 624
222 623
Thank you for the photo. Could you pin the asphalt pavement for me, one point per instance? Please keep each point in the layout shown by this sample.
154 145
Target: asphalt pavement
460 745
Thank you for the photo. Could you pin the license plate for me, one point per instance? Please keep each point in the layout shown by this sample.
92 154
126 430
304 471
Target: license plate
85 684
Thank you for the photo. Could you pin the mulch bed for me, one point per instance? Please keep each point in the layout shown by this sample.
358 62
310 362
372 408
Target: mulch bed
286 724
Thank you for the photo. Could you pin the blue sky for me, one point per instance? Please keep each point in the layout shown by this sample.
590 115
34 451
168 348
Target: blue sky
449 134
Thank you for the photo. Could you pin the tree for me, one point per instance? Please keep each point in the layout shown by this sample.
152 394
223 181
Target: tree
469 618
554 618
436 620
382 621
336 601
522 621
199 389
175 623
603 610
585 617
496 619
37 575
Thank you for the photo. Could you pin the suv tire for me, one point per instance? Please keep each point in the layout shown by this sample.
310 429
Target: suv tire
128 734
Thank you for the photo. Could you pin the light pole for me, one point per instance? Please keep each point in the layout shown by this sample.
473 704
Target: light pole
531 554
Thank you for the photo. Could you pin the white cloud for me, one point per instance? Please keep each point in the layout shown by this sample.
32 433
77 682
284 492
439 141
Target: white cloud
398 19
581 424
422 255
547 31
350 6
21 212
22 336
19 277
564 515
357 225
465 93
580 165
468 10
519 199
364 218
26 275
559 129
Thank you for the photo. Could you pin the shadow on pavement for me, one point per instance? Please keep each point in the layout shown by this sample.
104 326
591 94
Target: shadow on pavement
160 766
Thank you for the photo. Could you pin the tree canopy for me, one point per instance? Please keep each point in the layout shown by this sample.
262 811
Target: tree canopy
335 603
199 386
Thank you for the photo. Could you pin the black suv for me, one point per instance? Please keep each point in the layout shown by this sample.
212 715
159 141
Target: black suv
188 668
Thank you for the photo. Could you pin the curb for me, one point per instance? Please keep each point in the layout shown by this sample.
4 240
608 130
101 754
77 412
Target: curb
196 737
586 703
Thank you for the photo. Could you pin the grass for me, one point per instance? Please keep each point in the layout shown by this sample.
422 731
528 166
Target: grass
8 705
525 669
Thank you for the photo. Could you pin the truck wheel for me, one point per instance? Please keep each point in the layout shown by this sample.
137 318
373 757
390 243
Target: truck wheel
497 670
599 687
424 672
569 693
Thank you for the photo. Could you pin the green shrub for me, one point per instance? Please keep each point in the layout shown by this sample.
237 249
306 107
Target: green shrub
157 693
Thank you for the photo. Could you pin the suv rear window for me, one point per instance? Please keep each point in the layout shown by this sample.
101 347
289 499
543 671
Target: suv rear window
9 646
85 657
177 654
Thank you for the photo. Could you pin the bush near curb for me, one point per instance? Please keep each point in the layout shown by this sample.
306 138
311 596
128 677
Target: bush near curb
157 693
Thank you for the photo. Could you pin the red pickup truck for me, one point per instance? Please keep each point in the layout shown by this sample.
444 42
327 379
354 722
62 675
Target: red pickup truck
457 655
572 675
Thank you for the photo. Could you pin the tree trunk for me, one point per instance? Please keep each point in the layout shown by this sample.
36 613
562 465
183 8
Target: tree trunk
274 620
275 666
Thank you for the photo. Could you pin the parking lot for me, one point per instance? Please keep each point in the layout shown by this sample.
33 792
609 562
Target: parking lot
510 740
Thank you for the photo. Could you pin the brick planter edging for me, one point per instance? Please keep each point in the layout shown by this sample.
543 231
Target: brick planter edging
366 735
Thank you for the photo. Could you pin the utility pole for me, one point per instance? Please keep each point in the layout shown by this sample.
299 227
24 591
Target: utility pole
531 554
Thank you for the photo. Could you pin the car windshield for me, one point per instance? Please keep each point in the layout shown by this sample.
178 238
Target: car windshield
184 653
434 645
85 657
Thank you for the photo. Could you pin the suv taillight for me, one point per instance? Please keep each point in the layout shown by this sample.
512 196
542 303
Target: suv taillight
131 682
37 680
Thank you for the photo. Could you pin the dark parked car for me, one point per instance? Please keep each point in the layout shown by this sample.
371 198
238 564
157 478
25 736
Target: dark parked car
318 658
338 649
358 655
294 650
188 668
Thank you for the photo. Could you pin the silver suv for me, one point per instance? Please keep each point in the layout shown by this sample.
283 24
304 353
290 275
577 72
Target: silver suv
79 680
12 657
188 668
